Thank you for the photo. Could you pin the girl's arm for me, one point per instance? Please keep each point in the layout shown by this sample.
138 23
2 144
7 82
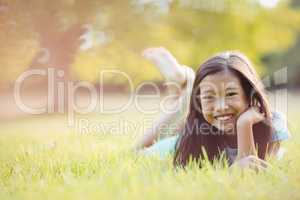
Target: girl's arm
178 75
245 139
153 132
246 146
247 154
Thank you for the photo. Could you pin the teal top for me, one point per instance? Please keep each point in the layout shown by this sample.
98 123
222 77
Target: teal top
166 146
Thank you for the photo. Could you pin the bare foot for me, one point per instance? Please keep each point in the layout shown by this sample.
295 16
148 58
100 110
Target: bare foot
166 64
178 77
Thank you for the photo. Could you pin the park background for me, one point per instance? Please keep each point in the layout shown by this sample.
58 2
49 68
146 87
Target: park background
42 156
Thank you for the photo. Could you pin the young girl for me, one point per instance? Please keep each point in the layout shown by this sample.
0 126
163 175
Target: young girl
228 113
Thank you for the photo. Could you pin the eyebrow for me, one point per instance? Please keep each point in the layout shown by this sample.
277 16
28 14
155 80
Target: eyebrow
207 91
232 88
211 91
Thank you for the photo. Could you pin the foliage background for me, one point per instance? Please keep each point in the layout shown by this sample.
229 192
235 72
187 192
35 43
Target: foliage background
82 38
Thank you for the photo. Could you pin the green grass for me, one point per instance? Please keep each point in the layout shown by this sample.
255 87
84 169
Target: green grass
39 159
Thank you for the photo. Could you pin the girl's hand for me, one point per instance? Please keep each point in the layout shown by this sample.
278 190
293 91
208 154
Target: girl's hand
251 162
245 138
252 115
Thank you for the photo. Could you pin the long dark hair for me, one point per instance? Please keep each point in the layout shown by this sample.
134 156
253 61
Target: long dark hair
197 145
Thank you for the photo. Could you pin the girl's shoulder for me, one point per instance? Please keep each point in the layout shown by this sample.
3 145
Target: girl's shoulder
281 131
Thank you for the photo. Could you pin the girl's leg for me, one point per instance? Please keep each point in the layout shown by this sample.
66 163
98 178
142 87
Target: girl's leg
174 118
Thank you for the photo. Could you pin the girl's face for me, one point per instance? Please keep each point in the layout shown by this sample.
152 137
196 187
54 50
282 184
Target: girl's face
222 99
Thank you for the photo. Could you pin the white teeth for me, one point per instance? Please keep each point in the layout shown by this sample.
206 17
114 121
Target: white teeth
224 118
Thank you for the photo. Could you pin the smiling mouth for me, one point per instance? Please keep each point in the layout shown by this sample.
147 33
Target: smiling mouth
225 117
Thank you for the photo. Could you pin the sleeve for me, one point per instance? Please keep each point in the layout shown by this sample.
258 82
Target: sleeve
162 148
281 131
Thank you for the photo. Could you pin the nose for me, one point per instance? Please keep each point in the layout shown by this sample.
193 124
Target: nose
220 105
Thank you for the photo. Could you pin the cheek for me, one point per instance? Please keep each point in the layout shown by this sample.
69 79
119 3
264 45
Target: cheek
208 115
240 105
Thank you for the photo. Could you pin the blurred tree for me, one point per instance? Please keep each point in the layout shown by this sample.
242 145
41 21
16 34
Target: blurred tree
192 31
48 32
295 4
285 58
84 37
18 43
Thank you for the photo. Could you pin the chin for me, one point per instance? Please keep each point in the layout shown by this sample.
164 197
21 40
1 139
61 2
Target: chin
226 130
229 132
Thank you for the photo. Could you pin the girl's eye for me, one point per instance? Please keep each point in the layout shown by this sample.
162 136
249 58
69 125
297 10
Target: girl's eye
207 98
230 94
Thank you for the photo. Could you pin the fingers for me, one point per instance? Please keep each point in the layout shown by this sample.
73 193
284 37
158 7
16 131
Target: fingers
257 115
258 161
256 104
257 167
254 163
